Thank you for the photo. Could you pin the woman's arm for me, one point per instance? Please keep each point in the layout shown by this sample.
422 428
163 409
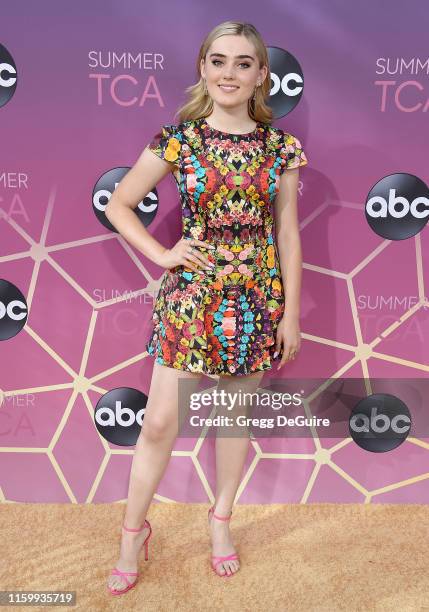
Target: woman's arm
148 170
288 240
290 256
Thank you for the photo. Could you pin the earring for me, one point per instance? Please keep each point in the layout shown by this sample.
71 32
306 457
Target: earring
206 91
254 93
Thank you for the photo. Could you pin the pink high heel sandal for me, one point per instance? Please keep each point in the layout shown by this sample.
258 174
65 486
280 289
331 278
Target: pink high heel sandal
232 557
116 572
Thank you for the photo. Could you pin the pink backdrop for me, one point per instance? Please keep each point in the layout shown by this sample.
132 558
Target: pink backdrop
71 120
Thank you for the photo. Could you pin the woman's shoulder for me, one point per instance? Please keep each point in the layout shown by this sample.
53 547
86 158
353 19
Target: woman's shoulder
279 134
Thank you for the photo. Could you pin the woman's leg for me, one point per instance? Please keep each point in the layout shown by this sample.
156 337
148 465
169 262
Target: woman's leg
231 453
151 457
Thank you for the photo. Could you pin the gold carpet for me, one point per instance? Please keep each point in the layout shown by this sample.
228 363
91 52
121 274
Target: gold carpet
309 557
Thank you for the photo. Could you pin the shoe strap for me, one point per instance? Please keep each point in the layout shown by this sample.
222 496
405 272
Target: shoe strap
145 524
117 572
220 518
232 557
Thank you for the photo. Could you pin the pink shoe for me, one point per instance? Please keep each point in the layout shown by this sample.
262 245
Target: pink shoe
232 557
116 572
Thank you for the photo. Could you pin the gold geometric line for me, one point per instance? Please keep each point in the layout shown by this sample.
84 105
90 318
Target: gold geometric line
14 256
400 361
69 279
246 477
88 341
81 242
19 230
21 449
316 213
328 342
340 445
347 477
310 484
133 256
366 260
279 455
28 390
409 313
48 215
90 409
325 271
100 473
32 285
117 367
418 442
402 483
419 264
61 477
63 420
60 361
204 482
353 306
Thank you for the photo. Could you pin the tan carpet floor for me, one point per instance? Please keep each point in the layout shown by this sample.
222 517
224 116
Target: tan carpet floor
309 557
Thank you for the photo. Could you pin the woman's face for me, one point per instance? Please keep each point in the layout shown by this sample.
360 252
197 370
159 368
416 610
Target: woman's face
224 66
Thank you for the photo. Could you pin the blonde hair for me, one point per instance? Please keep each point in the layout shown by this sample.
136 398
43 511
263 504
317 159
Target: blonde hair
200 104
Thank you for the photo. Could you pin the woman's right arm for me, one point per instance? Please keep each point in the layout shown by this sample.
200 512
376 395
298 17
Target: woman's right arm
148 170
134 186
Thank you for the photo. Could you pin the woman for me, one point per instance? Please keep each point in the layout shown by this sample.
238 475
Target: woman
221 308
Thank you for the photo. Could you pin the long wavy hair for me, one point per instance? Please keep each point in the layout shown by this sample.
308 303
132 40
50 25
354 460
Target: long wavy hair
199 104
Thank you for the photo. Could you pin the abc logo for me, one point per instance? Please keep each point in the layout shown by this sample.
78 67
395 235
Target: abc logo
8 77
397 207
119 415
13 310
380 422
287 81
106 185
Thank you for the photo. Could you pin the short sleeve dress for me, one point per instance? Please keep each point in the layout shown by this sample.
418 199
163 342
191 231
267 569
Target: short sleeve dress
223 321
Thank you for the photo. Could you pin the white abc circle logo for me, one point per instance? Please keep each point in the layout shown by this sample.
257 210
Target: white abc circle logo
290 84
397 207
13 310
8 76
391 206
146 209
380 422
119 415
125 417
287 81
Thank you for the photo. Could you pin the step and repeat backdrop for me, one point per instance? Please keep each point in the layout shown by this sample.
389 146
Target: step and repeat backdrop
83 90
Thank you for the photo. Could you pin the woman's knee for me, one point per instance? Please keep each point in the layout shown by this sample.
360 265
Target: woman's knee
157 429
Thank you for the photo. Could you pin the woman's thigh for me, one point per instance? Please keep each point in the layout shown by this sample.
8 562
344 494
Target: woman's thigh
236 387
167 389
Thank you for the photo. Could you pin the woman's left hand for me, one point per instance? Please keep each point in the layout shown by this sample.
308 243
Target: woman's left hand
288 334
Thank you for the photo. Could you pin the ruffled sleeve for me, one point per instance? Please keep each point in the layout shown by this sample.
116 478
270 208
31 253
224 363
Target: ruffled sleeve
166 144
291 153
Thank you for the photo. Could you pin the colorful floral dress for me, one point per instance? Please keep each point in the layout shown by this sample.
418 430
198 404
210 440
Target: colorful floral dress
223 321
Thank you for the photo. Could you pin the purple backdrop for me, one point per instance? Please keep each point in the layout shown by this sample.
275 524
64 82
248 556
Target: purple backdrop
69 122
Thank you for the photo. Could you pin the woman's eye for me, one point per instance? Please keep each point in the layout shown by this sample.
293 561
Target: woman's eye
241 64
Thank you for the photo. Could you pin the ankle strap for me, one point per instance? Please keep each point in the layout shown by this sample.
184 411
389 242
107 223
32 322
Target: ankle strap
220 518
145 524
